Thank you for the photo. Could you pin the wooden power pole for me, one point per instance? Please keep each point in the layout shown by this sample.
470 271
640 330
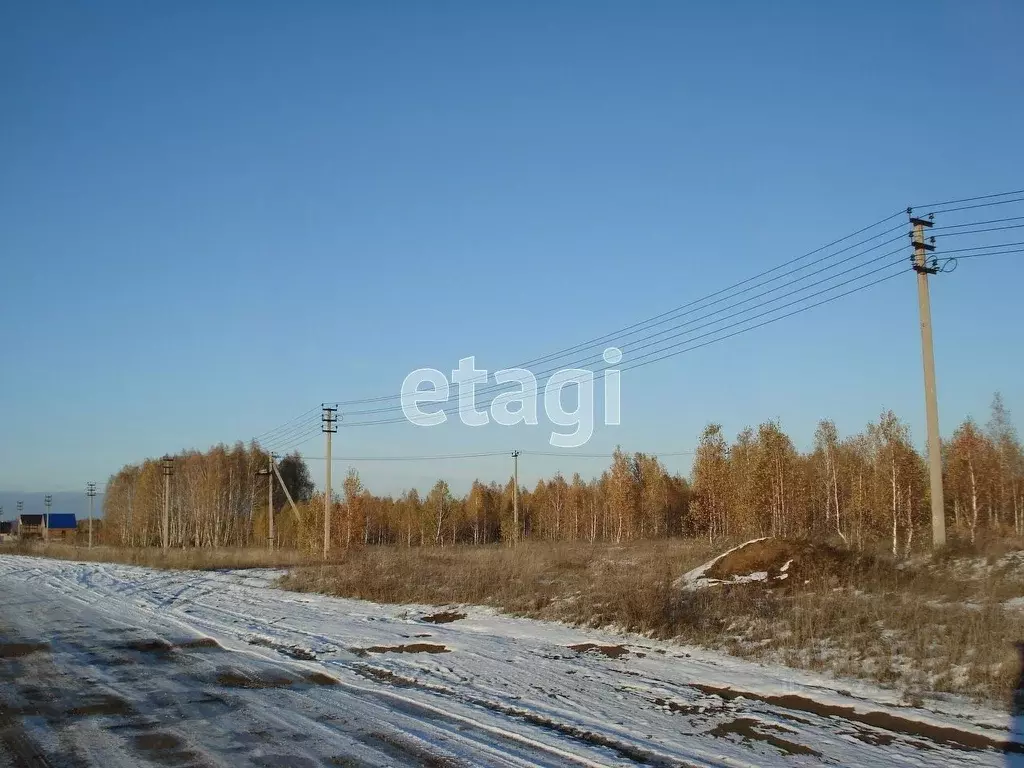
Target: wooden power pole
270 502
168 467
515 496
329 428
921 248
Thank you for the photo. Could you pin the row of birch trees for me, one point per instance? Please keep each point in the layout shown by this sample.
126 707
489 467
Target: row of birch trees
866 489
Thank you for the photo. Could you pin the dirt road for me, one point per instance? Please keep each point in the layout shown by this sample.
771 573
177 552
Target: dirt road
118 666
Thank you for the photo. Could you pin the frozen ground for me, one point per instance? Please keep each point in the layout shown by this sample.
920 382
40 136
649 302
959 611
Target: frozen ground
118 666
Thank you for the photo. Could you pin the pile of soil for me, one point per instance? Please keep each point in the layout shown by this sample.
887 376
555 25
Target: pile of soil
789 562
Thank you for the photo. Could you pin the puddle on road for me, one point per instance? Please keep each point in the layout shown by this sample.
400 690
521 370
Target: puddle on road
164 749
683 709
199 642
151 645
939 734
101 704
260 679
387 676
611 651
407 648
746 729
291 651
236 679
444 617
20 650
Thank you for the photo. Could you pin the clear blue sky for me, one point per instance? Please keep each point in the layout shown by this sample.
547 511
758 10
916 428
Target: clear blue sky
214 216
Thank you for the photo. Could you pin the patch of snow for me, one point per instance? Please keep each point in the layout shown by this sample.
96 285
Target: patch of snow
692 579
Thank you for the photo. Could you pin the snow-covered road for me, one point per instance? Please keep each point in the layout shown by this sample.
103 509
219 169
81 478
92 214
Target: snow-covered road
118 666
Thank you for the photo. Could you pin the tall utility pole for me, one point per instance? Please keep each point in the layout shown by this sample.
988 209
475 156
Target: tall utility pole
48 501
329 427
269 472
90 491
270 502
168 467
921 248
515 496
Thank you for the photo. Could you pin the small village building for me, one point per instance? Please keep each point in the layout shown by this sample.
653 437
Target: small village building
30 526
61 526
49 527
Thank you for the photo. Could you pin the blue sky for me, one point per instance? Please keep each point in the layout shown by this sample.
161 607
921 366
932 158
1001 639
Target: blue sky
214 216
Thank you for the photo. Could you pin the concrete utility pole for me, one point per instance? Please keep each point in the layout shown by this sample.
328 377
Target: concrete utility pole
921 248
168 467
329 428
270 502
90 491
48 501
287 494
515 496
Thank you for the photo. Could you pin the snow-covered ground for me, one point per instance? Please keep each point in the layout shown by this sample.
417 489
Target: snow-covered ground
114 665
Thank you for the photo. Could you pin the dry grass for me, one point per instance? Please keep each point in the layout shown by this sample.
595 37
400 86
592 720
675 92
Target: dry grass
181 559
537 579
925 628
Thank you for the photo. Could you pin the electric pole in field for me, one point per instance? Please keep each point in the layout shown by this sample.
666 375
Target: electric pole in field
48 501
167 465
90 491
329 427
270 502
515 496
268 471
921 249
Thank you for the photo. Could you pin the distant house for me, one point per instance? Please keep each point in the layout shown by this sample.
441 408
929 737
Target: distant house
61 526
6 529
47 526
30 526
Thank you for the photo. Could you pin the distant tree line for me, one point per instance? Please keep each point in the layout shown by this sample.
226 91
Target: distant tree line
862 489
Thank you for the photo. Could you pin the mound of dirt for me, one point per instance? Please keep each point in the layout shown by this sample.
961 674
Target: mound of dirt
777 562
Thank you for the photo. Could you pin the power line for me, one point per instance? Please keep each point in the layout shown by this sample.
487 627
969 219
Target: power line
979 231
775 319
293 433
435 457
656 454
976 255
654 356
984 247
976 223
301 440
309 426
614 334
652 340
282 426
972 199
979 205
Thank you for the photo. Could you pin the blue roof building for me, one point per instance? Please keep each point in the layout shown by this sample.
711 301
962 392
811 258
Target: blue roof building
61 522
